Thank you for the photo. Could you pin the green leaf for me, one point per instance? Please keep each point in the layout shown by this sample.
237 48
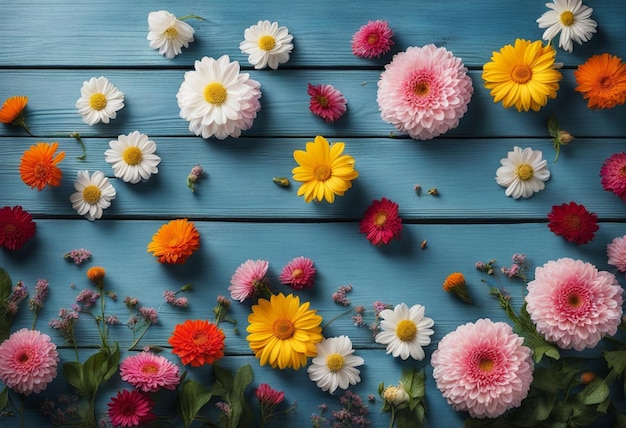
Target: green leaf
4 398
595 392
73 373
553 126
616 360
224 376
191 398
241 413
5 292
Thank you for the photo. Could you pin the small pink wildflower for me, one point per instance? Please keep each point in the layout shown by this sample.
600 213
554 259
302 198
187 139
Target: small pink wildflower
372 40
326 102
340 296
249 279
78 256
149 314
298 273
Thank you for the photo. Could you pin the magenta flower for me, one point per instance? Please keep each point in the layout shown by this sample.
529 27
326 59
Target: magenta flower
130 409
372 40
613 173
298 273
249 279
381 222
616 252
149 372
326 102
268 395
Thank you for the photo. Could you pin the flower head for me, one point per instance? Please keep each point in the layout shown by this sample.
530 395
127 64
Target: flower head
574 304
323 170
455 283
573 222
132 157
94 193
616 253
16 227
298 273
613 173
38 166
326 102
405 331
99 101
381 222
523 172
335 366
572 19
249 279
424 91
12 111
96 274
282 332
483 368
372 40
130 409
149 372
602 81
175 241
522 75
266 44
395 395
168 34
197 342
28 361
268 395
217 100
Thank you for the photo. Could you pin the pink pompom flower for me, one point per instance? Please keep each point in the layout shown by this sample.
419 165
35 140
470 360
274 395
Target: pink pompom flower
326 102
616 252
249 279
149 372
130 409
613 173
298 274
372 40
381 222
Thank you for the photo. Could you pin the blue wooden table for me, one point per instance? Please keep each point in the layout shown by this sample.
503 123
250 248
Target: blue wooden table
50 48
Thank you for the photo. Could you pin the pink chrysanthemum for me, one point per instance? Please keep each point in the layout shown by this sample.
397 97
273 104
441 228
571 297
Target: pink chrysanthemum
326 102
613 173
483 368
28 361
372 40
149 372
574 304
616 252
249 278
424 91
381 222
130 408
298 273
573 222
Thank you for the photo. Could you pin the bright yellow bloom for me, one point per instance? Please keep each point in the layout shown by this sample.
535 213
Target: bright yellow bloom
522 75
323 170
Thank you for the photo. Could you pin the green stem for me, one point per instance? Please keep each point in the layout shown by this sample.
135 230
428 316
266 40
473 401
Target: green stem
136 341
82 145
392 421
22 398
182 18
336 317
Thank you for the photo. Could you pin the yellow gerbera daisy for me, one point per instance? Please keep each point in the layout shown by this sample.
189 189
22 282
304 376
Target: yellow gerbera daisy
522 75
283 332
324 171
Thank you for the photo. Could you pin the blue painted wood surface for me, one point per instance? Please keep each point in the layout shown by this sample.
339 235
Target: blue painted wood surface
49 49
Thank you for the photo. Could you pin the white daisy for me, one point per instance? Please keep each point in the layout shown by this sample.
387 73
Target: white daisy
99 101
132 157
93 194
267 44
405 331
168 34
523 172
334 365
217 99
569 17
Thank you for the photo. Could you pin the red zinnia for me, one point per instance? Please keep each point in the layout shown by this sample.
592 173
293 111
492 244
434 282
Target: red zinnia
613 173
573 222
197 342
326 102
381 222
16 227
130 409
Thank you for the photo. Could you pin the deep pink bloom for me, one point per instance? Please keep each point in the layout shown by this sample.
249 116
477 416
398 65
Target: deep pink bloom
381 222
372 40
613 173
483 368
424 91
130 409
149 372
28 361
16 227
573 222
574 304
616 252
268 395
298 273
249 278
326 102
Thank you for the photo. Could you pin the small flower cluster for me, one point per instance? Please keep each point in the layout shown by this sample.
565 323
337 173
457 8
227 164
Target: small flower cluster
341 295
78 256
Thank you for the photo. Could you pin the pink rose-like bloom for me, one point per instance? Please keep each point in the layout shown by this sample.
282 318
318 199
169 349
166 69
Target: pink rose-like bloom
298 273
149 372
574 304
483 368
249 276
372 40
613 173
616 252
268 395
130 409
424 91
326 102
28 361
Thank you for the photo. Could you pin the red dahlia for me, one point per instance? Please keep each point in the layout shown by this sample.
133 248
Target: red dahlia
16 227
573 222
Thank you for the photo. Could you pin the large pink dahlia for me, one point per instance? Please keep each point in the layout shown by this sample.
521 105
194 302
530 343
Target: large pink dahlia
424 91
574 304
483 368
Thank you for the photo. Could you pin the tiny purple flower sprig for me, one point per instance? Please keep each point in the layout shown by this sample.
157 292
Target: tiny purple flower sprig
194 175
221 312
180 302
358 319
140 319
353 413
341 295
77 256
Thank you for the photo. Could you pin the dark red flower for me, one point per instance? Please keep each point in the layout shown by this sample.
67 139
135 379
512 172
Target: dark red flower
613 173
380 222
573 222
130 409
16 227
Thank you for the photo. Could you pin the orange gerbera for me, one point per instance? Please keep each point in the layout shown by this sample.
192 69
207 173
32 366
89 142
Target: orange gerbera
602 80
197 342
12 111
39 166
175 241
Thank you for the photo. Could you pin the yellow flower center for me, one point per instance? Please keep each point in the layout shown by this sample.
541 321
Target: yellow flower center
200 338
521 73
149 369
322 173
297 273
406 330
267 43
322 100
524 172
215 93
421 89
170 33
91 194
283 329
334 362
98 101
380 219
486 364
567 18
132 155
372 39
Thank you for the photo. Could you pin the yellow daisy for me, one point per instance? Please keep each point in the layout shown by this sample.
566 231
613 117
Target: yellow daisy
323 170
283 333
522 75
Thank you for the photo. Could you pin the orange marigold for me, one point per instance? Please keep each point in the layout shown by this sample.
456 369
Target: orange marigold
96 273
602 80
12 111
175 241
38 167
197 342
455 283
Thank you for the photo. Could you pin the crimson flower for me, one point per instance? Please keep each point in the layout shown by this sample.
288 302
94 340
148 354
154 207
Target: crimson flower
381 222
613 173
326 102
16 227
573 222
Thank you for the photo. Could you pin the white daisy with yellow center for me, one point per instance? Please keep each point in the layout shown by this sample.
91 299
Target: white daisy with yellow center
523 172
132 157
99 101
572 19
405 331
168 34
94 193
267 44
335 366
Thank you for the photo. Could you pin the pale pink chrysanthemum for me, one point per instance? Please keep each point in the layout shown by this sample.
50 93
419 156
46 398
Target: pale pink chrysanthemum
28 361
298 273
574 304
149 372
483 368
326 102
613 173
130 409
249 278
616 252
372 40
424 91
